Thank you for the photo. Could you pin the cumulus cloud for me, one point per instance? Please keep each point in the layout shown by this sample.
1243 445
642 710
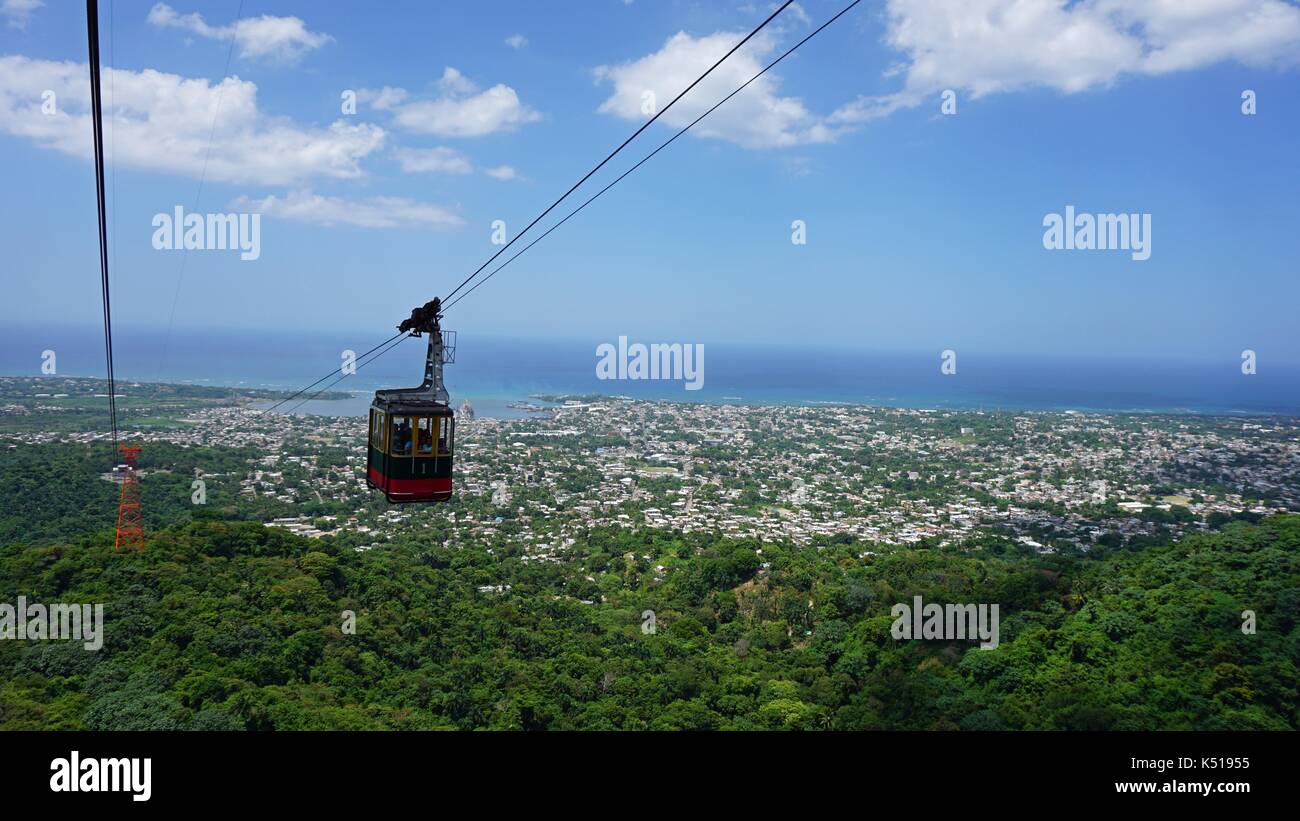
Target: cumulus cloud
438 160
997 46
19 12
1178 36
516 41
162 122
372 212
384 99
459 110
443 160
758 117
275 39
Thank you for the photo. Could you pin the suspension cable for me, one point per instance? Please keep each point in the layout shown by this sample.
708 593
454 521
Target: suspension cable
394 343
301 391
97 118
448 304
624 144
644 159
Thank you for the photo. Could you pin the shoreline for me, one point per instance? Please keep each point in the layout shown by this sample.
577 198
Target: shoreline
496 402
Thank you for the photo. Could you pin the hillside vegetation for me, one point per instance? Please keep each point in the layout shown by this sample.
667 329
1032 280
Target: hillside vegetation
230 625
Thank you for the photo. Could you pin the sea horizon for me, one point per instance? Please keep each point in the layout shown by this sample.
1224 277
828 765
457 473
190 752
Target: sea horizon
493 372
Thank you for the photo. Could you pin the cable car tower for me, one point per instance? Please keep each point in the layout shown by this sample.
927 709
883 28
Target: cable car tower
412 430
130 519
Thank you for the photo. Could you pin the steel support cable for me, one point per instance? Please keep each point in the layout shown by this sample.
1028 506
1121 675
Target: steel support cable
97 119
647 157
624 144
394 343
594 197
301 391
571 214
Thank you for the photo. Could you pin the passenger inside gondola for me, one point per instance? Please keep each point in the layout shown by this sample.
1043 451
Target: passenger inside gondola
402 438
424 435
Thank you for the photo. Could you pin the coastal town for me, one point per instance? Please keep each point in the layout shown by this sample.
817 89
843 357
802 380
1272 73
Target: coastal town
875 476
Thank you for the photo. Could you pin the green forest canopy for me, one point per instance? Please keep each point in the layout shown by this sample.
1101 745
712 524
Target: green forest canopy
229 625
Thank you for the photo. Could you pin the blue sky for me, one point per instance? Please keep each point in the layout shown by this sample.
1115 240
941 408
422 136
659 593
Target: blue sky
924 230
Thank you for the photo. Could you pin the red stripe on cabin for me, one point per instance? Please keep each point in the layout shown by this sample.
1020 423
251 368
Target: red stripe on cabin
413 487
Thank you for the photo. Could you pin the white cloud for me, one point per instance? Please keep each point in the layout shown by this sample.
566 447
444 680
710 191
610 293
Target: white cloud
372 212
385 99
995 46
439 160
19 12
276 39
516 41
1178 36
460 110
757 117
443 160
453 82
162 122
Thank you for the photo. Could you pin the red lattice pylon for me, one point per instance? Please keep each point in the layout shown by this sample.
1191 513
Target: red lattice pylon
130 521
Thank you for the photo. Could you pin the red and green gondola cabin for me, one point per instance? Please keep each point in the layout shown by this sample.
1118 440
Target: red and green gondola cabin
412 430
410 452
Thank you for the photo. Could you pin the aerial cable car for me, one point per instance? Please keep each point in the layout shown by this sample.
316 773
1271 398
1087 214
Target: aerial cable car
412 430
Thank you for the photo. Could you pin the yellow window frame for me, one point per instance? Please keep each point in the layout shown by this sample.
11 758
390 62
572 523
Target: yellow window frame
378 428
445 431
